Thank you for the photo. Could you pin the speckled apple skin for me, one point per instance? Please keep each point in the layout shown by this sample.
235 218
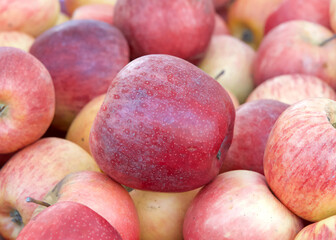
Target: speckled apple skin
69 221
83 57
181 28
161 126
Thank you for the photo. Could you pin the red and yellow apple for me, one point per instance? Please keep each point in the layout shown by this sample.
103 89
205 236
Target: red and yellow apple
324 229
72 5
101 12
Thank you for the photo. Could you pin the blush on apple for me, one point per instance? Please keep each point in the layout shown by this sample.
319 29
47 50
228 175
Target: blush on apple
332 15
164 125
72 5
254 122
220 27
291 88
83 57
101 12
324 229
296 47
27 99
300 156
181 28
16 39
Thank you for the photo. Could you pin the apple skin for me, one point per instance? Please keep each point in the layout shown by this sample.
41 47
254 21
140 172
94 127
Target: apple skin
101 12
103 195
293 47
161 214
239 205
164 126
16 39
249 138
316 11
323 229
27 98
332 15
62 18
235 58
82 67
79 130
221 27
68 220
72 5
181 28
292 88
300 156
32 18
219 4
32 172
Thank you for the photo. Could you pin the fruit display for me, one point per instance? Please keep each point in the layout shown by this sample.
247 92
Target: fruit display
168 119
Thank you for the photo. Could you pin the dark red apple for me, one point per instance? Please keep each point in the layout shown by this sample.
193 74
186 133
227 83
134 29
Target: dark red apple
181 28
164 125
82 56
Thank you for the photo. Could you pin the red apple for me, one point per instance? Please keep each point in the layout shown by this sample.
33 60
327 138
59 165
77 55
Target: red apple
221 27
32 172
296 47
316 11
239 205
101 12
72 5
31 17
164 125
254 122
16 39
27 99
291 88
103 195
324 229
300 156
82 56
332 15
219 4
68 220
181 28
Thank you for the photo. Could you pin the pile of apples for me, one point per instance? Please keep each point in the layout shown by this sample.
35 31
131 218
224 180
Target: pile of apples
167 119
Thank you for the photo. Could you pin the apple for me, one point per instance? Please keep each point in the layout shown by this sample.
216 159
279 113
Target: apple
161 214
83 57
233 58
234 99
5 158
32 172
296 47
246 19
316 11
72 5
219 4
31 17
239 205
164 125
79 130
181 28
62 18
253 123
300 155
16 39
27 99
100 193
291 88
68 220
332 15
220 27
101 12
324 229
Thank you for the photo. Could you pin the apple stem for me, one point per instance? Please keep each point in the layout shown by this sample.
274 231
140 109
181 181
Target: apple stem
30 199
219 74
2 108
327 40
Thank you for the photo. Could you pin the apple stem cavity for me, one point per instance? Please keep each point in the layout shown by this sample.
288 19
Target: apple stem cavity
2 108
219 75
247 36
16 217
32 200
327 40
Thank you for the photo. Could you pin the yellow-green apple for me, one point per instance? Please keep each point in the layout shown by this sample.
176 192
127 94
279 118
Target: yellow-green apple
27 99
332 15
100 193
164 125
296 47
62 18
32 17
316 11
79 130
161 215
69 220
83 57
246 19
229 60
221 27
181 28
300 156
101 12
239 205
72 5
323 229
254 122
16 39
292 88
32 172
